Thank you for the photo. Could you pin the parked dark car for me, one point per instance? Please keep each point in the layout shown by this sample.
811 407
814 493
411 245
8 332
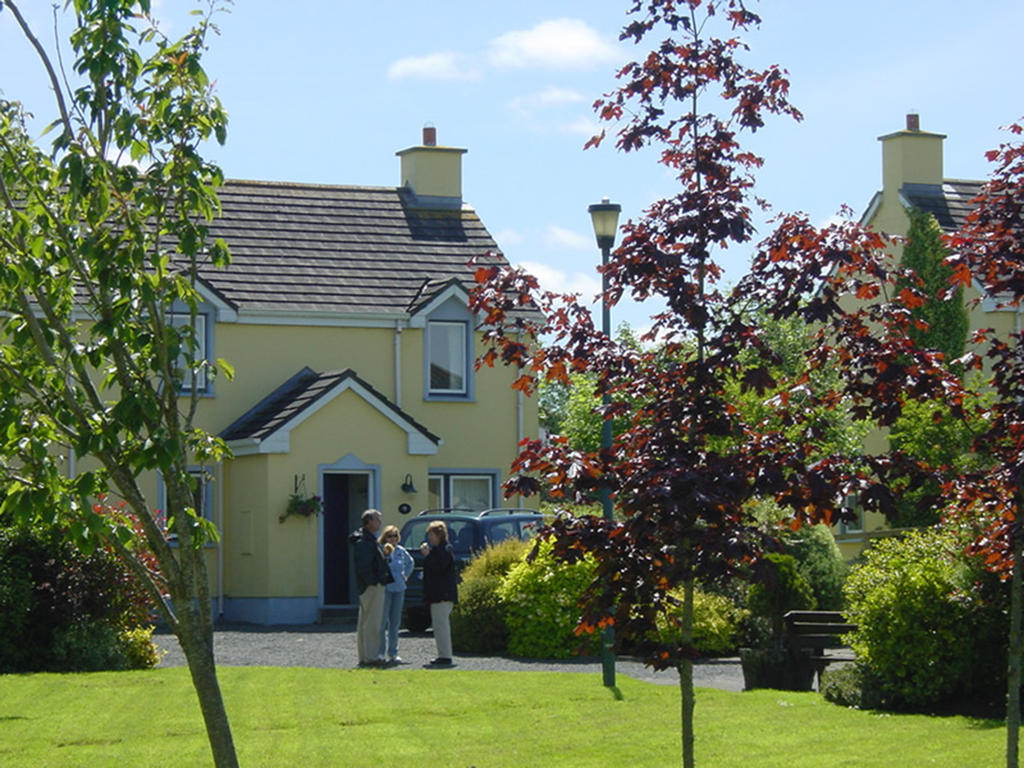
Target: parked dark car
468 532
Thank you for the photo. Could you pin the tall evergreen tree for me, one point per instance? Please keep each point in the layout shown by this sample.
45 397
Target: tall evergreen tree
942 318
926 430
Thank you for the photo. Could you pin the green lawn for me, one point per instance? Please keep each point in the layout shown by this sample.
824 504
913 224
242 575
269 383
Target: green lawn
425 718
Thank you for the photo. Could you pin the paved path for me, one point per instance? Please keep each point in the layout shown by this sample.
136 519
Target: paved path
335 647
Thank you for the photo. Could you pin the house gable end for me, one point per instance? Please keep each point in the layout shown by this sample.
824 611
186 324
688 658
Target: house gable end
429 304
267 427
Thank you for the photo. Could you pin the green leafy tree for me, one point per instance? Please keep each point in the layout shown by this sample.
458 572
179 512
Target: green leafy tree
928 431
582 424
790 339
552 397
101 235
570 409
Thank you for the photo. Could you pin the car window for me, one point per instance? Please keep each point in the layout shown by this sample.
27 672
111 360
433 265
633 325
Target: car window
414 533
529 529
506 529
461 536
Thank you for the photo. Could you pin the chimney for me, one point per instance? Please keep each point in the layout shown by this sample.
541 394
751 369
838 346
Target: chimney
911 156
432 174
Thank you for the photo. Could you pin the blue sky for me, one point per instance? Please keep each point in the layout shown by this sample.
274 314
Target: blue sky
327 91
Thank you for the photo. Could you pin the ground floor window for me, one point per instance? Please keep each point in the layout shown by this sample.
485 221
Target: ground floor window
854 526
452 490
202 494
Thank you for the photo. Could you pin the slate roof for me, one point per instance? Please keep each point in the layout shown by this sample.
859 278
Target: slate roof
305 247
300 393
949 203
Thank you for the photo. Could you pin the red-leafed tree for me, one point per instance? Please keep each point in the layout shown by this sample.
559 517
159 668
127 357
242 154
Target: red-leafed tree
686 468
989 250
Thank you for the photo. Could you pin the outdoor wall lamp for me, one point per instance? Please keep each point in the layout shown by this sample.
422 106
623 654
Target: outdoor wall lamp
407 485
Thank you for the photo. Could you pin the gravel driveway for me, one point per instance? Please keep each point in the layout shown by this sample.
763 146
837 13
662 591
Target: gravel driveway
335 647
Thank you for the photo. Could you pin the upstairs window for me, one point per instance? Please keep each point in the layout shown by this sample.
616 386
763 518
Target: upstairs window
197 353
448 360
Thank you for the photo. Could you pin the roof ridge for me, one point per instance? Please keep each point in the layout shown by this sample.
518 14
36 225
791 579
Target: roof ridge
310 185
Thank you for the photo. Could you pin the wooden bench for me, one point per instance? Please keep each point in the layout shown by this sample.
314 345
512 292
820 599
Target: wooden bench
816 636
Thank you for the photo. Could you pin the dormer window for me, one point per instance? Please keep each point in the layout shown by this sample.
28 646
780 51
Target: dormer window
448 339
446 349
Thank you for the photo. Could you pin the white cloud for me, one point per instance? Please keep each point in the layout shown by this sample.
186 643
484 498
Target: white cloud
507 237
584 126
551 279
558 43
550 97
443 65
560 237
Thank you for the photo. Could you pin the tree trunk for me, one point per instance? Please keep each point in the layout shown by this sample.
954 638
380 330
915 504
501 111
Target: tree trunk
1016 645
197 645
685 668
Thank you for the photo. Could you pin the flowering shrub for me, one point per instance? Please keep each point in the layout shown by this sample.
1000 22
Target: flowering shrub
61 610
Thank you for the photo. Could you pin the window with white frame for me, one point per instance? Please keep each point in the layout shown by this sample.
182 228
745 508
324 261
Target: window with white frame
447 357
202 495
451 490
197 353
857 524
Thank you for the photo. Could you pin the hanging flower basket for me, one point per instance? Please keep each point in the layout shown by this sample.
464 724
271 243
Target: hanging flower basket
302 506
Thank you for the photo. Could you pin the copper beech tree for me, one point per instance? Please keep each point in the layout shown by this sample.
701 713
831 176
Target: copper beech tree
688 463
988 251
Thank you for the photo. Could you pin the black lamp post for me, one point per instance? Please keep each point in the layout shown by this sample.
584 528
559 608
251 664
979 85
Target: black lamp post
605 217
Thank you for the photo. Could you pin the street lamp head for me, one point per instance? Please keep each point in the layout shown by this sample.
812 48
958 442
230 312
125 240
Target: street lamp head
605 217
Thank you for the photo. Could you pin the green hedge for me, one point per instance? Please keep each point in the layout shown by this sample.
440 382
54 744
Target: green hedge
819 561
717 623
478 620
783 588
930 623
541 603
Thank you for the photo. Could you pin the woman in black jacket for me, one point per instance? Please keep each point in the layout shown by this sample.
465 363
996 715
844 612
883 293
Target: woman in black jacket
440 588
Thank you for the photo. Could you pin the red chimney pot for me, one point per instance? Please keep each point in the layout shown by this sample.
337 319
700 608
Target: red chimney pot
429 136
913 122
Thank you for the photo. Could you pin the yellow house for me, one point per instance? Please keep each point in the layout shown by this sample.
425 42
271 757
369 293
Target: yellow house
344 314
912 177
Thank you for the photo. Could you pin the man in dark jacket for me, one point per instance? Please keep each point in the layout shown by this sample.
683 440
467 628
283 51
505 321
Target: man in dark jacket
371 575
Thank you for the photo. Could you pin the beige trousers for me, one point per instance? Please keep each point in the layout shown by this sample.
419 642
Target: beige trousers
440 614
368 634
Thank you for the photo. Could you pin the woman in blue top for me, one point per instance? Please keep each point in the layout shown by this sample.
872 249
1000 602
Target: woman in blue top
401 564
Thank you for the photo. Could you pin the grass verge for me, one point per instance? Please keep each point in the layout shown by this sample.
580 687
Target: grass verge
316 717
